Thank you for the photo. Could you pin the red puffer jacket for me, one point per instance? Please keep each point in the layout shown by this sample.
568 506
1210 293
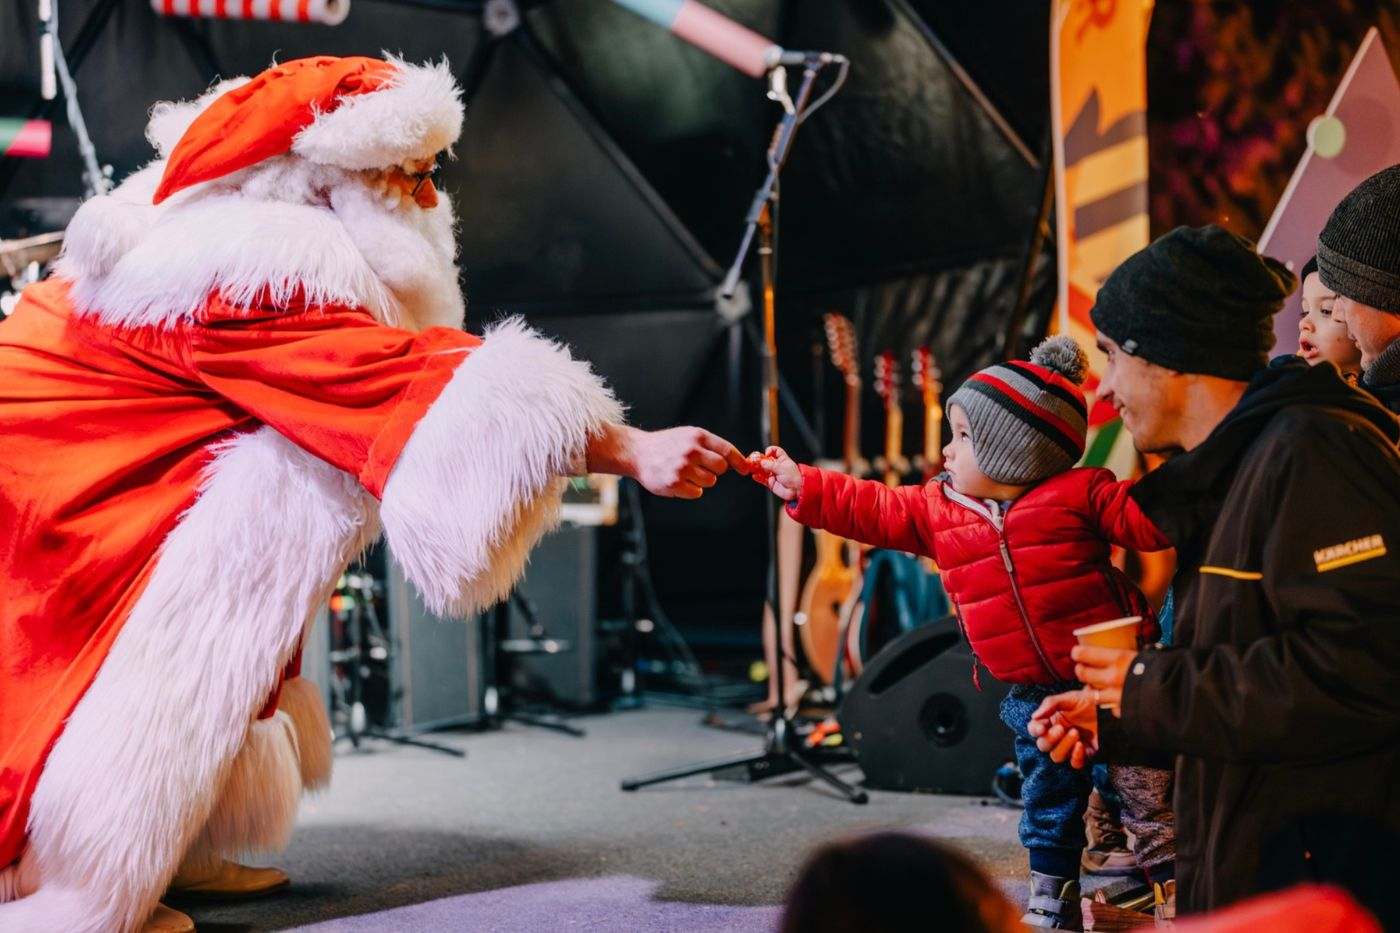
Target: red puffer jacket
1022 577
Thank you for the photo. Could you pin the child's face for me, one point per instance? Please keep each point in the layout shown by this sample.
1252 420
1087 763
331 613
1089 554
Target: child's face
1320 336
960 460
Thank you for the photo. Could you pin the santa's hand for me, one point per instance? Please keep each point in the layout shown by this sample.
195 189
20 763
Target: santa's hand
677 462
1065 726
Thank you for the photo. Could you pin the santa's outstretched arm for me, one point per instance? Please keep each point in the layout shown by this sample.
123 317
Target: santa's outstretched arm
482 475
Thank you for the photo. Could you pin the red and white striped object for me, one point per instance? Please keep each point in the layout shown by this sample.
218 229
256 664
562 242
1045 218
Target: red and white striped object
326 12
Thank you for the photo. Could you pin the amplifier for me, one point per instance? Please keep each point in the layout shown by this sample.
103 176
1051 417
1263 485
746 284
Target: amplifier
438 672
561 585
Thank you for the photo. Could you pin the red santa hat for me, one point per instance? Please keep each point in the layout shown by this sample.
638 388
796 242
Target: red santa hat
355 113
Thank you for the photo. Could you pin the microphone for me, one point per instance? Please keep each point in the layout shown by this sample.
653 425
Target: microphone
48 76
777 57
733 44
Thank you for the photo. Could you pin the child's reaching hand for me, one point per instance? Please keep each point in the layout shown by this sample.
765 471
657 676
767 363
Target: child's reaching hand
776 470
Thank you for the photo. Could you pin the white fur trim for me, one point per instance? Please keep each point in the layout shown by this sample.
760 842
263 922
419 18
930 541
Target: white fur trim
479 480
242 248
418 114
9 883
141 761
257 807
109 226
303 704
252 235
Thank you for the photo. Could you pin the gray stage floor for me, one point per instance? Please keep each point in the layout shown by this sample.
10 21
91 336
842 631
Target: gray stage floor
404 826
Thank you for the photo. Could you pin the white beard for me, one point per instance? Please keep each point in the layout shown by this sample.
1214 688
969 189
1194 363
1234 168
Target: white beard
413 252
280 228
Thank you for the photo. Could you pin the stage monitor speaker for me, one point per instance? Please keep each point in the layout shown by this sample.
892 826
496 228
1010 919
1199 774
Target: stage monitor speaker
916 721
438 674
561 586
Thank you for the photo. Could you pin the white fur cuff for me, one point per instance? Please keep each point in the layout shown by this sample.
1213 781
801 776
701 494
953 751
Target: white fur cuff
481 480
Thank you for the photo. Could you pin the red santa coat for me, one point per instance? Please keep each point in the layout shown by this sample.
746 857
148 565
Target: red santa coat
1021 578
211 409
176 501
106 440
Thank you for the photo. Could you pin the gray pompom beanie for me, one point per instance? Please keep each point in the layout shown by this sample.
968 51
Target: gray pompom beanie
1028 420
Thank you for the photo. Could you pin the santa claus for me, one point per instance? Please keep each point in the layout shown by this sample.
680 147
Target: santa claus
248 363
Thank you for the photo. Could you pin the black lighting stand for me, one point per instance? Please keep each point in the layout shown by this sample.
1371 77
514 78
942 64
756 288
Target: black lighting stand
782 751
643 618
500 705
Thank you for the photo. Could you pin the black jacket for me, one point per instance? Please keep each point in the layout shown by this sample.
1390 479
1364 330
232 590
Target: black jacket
1389 396
1281 699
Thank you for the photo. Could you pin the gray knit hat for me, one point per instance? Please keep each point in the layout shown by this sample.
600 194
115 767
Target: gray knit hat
1358 252
1028 419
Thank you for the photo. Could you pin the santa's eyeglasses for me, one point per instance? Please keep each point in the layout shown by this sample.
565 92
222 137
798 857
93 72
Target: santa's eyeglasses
420 177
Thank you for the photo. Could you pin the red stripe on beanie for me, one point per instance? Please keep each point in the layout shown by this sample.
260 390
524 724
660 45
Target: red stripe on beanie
1051 382
1053 421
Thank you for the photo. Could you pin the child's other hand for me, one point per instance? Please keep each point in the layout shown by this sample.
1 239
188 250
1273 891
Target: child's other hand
776 470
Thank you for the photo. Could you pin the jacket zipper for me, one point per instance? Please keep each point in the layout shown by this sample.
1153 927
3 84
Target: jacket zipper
1025 616
994 517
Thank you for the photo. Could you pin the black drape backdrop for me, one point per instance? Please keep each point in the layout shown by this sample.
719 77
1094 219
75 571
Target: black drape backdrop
601 184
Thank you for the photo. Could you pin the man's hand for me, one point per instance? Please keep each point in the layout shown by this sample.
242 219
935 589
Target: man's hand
1064 726
776 470
677 462
1104 670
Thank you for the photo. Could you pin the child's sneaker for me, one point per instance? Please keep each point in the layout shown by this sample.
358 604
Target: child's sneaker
1054 903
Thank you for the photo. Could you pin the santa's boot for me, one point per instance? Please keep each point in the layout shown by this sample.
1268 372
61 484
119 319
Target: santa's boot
168 920
225 879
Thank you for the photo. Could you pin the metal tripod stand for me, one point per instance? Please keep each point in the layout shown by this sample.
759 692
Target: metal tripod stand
782 750
363 640
499 700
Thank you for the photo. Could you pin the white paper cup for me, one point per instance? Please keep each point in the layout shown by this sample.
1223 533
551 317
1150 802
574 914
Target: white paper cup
1118 633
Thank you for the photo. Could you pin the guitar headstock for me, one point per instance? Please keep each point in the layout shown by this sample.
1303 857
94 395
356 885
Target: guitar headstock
887 378
841 341
926 375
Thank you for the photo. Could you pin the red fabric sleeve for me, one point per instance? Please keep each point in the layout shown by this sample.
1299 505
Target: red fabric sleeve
1119 518
333 381
864 510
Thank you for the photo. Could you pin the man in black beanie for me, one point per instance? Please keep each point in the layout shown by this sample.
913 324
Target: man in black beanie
1280 698
1358 257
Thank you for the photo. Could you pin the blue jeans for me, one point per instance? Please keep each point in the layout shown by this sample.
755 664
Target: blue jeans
1055 795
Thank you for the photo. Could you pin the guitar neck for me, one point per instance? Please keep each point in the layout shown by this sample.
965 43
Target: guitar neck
850 442
933 435
894 444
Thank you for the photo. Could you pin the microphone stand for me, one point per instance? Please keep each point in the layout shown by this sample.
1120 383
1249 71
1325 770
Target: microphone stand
782 751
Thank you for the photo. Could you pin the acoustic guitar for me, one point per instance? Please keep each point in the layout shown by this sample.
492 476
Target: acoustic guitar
832 580
913 591
926 380
893 465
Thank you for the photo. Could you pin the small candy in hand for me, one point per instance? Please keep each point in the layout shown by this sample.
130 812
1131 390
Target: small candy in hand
757 472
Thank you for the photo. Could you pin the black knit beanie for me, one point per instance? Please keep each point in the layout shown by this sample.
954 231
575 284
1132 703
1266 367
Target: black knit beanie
1196 300
1358 252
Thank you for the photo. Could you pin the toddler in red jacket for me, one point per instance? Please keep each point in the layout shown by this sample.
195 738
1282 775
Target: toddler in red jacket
1021 538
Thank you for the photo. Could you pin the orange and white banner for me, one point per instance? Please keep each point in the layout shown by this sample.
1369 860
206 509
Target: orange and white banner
1098 101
